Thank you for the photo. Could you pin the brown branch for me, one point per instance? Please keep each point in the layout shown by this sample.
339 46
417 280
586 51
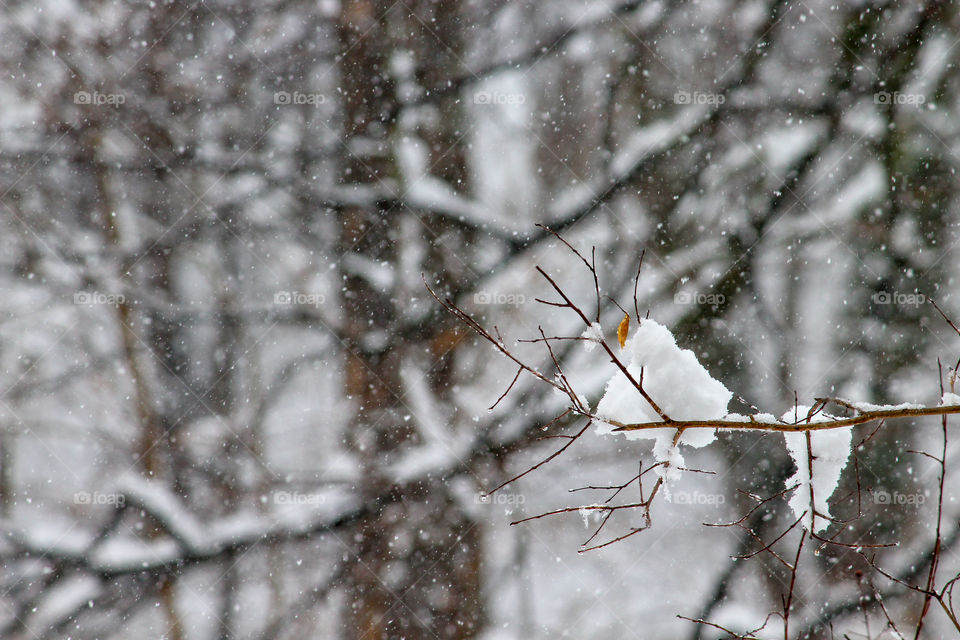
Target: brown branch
606 347
733 634
944 316
788 603
768 546
509 387
636 284
608 509
632 532
545 460
591 266
468 320
838 423
935 557
591 507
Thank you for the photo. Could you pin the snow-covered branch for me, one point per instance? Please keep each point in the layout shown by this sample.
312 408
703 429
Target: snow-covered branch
660 391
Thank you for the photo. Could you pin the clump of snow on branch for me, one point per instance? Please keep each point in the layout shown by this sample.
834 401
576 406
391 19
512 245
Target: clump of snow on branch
950 399
590 511
827 455
593 336
866 407
566 393
676 381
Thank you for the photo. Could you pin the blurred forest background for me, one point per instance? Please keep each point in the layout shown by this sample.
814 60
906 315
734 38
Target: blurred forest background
229 408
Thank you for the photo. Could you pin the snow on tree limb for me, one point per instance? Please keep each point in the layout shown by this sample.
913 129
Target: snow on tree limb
662 392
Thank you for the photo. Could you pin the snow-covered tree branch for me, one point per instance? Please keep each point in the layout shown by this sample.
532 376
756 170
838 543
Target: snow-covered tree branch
661 392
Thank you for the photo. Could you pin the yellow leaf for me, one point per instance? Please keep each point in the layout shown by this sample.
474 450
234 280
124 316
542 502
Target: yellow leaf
623 329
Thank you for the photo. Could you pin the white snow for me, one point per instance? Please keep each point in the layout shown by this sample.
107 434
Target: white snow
676 381
588 511
783 146
637 148
866 406
128 553
656 137
753 418
594 336
379 274
765 417
62 600
164 505
580 397
830 449
950 399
